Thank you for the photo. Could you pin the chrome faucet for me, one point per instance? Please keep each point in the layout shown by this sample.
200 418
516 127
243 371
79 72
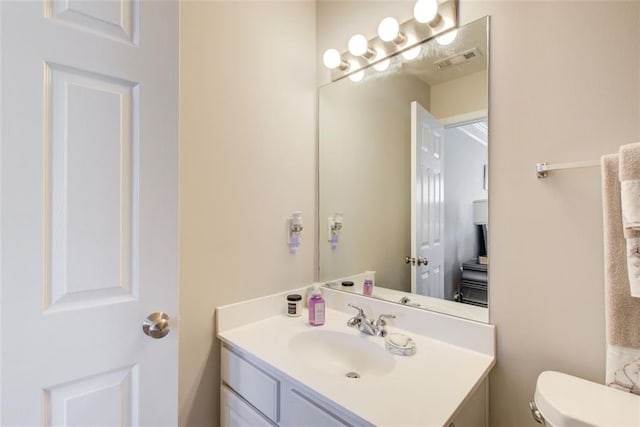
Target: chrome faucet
364 325
407 301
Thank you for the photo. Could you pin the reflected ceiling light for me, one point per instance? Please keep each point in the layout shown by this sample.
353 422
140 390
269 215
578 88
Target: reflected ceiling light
426 11
382 65
412 53
389 31
332 59
356 77
359 46
447 38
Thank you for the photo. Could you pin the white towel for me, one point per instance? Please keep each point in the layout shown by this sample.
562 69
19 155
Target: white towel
630 194
622 311
623 368
629 175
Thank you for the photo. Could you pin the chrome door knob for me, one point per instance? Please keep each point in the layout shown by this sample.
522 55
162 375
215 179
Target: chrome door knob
410 260
422 261
156 325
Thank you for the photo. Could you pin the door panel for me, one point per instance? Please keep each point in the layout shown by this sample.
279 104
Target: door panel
91 179
101 400
427 204
88 202
110 18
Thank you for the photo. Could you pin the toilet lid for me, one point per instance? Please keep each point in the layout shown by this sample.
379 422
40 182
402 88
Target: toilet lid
567 401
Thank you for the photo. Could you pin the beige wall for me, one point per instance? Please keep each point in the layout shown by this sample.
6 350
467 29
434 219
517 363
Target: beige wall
575 101
467 94
247 159
364 150
560 90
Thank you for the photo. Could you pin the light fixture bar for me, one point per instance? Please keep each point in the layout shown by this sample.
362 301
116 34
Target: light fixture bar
414 32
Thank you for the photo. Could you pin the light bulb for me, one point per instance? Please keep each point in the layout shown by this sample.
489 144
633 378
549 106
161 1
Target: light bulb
356 77
358 45
425 11
388 29
447 38
412 53
331 58
382 65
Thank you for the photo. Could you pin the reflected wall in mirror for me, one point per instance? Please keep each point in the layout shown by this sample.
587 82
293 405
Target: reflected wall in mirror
403 177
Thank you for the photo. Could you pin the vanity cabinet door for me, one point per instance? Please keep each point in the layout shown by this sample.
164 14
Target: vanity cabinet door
256 386
235 412
473 413
298 410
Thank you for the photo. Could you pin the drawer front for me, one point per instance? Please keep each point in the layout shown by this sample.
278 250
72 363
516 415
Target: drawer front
235 412
300 410
251 383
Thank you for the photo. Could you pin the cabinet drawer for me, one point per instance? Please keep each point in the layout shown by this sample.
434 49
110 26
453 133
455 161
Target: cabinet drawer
300 410
251 383
235 412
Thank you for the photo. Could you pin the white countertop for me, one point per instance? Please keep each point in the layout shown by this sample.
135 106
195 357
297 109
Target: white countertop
425 389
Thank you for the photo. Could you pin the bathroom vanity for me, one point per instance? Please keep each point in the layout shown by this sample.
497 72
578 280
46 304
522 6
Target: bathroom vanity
278 370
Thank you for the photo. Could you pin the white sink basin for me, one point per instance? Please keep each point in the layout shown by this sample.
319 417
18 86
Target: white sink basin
339 353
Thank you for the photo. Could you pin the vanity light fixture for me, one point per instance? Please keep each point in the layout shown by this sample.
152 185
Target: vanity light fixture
412 53
357 76
332 60
389 31
433 18
382 65
448 38
426 12
359 46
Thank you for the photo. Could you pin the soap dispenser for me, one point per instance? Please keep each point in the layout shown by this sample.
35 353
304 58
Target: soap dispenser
316 307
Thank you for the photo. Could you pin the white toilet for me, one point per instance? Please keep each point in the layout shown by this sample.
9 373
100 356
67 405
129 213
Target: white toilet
564 401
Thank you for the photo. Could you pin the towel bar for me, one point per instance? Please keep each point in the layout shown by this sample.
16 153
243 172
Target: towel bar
542 169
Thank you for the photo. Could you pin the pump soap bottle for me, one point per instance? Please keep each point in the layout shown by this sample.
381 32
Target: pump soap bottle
316 307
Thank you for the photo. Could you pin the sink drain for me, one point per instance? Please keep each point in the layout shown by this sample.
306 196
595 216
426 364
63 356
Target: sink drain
352 375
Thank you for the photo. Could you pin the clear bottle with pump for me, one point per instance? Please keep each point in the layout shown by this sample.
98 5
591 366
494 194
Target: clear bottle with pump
369 283
316 307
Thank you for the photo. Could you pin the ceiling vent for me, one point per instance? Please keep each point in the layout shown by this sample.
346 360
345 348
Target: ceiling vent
458 58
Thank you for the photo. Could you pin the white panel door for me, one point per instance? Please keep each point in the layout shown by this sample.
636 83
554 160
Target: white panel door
427 202
88 211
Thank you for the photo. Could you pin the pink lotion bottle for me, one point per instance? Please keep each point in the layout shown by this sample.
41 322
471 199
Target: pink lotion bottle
369 283
316 307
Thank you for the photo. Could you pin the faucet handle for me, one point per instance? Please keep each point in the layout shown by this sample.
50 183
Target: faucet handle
356 320
360 311
381 322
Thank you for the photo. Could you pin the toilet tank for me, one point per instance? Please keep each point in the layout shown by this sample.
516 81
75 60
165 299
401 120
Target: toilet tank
567 401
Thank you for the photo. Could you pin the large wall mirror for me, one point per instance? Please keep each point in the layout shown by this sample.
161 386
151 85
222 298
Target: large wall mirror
403 177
